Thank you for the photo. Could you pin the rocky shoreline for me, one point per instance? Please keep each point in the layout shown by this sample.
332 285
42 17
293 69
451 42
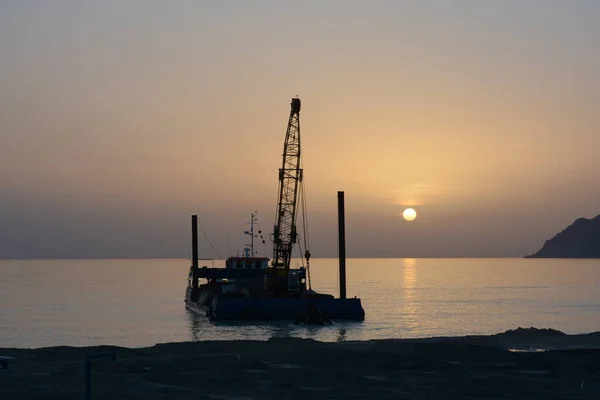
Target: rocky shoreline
285 368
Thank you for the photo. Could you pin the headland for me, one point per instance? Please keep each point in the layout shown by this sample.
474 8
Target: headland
581 239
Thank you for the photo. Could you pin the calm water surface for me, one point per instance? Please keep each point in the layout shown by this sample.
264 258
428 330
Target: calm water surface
140 302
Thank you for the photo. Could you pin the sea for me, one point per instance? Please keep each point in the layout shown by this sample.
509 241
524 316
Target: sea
139 302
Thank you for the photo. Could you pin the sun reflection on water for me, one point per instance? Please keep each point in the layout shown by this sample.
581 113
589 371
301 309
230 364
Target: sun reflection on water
409 306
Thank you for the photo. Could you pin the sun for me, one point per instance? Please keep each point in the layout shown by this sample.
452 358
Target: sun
409 214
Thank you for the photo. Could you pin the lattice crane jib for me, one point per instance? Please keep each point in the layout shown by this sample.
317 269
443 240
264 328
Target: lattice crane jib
290 175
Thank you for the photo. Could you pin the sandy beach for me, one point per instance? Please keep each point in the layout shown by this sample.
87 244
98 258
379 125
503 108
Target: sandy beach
286 368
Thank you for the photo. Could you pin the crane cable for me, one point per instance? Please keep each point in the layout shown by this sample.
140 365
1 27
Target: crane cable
208 240
305 230
306 253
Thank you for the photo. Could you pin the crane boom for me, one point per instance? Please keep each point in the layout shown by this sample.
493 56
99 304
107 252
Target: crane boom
290 175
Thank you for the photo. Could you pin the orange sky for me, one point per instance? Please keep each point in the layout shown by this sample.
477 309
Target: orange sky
135 115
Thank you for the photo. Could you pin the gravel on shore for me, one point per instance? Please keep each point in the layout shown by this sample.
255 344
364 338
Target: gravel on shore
287 368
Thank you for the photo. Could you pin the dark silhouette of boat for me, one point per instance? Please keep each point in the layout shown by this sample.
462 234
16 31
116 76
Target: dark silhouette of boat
251 288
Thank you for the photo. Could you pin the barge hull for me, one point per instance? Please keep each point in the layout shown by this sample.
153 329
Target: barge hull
224 308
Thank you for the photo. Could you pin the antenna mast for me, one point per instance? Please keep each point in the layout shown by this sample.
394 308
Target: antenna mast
253 219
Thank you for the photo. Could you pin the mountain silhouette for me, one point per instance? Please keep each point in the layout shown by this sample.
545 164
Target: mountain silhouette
581 239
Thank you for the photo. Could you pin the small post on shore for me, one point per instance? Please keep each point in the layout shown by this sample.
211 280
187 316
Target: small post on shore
194 248
88 371
342 244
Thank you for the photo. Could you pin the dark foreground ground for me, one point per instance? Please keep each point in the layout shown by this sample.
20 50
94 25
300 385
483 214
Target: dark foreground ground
441 368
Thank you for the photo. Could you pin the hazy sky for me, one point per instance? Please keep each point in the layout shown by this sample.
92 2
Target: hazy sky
120 119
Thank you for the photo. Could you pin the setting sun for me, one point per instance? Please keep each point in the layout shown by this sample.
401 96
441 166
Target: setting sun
409 214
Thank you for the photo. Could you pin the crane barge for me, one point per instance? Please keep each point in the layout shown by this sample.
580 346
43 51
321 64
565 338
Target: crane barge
249 288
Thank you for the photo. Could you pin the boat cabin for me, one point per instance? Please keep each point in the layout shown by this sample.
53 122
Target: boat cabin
247 261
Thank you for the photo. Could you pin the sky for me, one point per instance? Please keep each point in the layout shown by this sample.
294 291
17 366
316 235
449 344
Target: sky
120 119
